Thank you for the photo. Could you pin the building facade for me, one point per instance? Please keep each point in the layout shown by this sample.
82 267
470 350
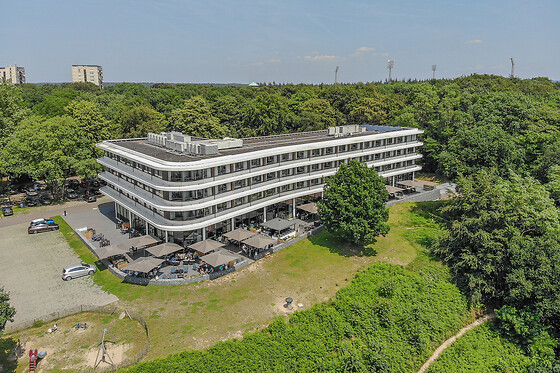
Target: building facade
183 189
87 73
12 74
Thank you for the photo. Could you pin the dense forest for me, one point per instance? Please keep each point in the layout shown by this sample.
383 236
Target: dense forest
48 132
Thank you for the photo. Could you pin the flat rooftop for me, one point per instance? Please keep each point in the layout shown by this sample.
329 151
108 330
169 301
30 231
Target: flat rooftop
249 144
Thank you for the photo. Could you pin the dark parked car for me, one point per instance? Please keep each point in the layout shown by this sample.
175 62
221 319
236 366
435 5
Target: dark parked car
7 211
78 270
34 229
97 192
31 202
71 193
75 183
31 192
90 198
45 200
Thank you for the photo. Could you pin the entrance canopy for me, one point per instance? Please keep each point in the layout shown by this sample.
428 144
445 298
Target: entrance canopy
411 183
239 234
206 246
107 251
144 264
259 241
278 224
220 257
142 241
392 189
164 249
309 207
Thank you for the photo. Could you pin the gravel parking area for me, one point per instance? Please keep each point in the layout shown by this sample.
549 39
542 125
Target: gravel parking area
31 269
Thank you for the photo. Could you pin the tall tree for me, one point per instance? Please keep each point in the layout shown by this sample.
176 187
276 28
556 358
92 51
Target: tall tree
195 118
139 120
6 312
502 243
88 115
353 207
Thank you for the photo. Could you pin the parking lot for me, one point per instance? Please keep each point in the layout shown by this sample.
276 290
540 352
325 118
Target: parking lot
31 269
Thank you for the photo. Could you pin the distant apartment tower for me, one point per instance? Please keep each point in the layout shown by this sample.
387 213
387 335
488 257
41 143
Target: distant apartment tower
12 74
87 73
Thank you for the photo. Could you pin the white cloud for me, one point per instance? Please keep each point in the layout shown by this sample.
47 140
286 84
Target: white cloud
361 51
264 63
320 57
476 41
364 49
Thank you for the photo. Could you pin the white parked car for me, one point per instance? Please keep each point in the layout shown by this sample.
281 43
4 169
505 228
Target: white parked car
78 270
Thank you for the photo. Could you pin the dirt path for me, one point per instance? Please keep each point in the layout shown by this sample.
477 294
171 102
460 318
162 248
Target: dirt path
452 340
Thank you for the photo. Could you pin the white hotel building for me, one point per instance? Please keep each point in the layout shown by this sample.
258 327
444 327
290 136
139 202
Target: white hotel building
182 188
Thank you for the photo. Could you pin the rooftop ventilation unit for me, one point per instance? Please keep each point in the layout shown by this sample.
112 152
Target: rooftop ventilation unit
177 142
349 130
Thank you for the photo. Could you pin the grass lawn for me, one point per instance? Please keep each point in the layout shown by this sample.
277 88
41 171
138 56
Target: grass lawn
198 315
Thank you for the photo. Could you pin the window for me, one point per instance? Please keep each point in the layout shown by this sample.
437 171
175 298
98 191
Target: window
271 176
286 157
239 166
301 184
342 149
329 151
222 170
271 159
286 188
300 155
176 196
316 152
315 167
353 147
301 169
256 162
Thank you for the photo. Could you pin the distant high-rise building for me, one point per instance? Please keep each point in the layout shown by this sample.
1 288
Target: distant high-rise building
12 74
87 73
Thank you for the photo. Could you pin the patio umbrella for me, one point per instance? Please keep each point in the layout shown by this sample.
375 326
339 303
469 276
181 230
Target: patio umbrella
164 249
220 257
107 251
142 241
206 246
239 234
144 264
259 241
278 224
309 207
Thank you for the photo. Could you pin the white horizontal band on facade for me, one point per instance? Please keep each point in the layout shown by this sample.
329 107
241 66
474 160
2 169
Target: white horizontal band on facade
112 146
259 171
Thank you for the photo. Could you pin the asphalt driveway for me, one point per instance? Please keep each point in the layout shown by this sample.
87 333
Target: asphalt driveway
31 269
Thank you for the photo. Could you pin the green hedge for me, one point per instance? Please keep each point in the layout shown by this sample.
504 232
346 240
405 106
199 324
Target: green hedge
388 320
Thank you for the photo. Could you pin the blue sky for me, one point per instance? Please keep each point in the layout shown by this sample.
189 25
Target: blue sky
283 40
